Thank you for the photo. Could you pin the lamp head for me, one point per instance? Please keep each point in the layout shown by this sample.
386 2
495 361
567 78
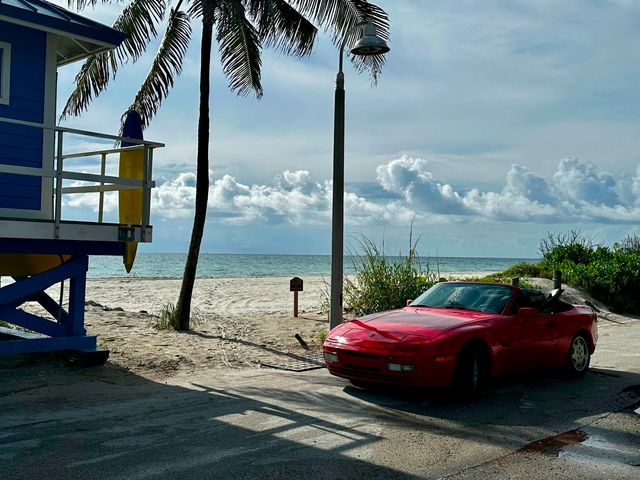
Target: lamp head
370 43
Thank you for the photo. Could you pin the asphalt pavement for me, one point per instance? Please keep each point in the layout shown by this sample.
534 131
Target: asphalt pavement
67 422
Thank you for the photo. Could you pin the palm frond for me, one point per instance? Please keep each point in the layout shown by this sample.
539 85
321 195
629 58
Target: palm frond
167 65
340 16
281 26
138 20
82 4
91 80
240 48
207 9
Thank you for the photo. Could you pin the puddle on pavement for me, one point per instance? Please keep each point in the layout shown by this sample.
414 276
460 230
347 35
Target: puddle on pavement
597 450
580 445
587 444
554 445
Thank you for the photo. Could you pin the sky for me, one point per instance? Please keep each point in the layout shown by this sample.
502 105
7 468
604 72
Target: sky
492 123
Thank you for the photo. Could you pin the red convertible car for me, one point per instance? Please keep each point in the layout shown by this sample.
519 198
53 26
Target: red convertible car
462 334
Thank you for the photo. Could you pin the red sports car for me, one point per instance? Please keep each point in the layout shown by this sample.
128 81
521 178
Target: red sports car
462 334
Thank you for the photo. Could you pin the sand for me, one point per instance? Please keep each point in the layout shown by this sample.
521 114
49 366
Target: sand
237 322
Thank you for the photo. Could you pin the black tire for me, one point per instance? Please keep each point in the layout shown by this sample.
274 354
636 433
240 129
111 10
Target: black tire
578 356
469 373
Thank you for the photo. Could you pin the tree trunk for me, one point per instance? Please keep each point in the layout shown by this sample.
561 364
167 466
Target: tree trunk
202 181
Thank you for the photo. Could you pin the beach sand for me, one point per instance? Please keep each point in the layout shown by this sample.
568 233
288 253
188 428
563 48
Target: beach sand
237 322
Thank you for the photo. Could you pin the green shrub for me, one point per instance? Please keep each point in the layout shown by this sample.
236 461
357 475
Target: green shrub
575 241
610 275
630 243
322 335
523 269
384 282
575 253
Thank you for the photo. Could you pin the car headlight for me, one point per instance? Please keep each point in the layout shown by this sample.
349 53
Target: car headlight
330 357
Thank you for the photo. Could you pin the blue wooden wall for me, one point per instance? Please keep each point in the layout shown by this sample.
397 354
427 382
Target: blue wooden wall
20 145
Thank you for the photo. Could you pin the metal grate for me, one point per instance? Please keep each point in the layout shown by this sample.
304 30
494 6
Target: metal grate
297 363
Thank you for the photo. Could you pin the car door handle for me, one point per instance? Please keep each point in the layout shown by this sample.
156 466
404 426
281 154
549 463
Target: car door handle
551 324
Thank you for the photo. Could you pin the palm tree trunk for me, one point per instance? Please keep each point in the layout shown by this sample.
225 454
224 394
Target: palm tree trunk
202 181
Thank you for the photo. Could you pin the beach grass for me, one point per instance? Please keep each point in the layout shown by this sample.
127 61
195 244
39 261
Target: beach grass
167 317
384 282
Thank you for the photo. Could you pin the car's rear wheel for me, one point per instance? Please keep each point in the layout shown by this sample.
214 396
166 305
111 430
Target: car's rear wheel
579 356
470 373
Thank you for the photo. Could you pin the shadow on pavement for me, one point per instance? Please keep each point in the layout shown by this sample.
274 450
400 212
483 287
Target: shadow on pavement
512 411
64 422
59 422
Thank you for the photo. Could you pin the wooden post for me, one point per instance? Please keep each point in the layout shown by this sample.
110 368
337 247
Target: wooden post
515 281
295 286
557 279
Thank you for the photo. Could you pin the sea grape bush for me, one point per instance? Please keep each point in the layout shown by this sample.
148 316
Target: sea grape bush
612 275
574 253
523 269
575 241
630 243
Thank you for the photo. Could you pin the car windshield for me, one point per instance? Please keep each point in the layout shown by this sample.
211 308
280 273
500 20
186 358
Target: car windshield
466 296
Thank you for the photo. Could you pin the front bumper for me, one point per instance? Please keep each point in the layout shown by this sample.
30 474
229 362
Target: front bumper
373 366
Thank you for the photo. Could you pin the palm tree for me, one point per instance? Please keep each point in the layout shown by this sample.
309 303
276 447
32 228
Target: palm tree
243 28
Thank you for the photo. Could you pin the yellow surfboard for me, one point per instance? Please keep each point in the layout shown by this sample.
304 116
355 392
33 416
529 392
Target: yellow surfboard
25 264
130 201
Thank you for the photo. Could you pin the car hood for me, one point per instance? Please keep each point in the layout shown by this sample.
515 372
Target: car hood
395 325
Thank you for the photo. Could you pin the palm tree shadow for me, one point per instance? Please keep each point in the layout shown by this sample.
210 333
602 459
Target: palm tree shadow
259 346
107 422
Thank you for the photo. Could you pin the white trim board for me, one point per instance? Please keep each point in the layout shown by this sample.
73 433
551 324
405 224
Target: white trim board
48 140
5 73
82 231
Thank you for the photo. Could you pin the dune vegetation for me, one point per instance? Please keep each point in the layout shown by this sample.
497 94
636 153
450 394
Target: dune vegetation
608 274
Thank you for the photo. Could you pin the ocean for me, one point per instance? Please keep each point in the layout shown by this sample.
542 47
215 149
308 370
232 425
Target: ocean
213 265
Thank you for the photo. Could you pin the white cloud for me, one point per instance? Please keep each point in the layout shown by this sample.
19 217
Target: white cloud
409 177
579 183
293 198
635 186
175 198
576 192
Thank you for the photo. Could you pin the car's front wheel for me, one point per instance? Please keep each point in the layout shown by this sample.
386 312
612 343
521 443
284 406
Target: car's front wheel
579 357
469 373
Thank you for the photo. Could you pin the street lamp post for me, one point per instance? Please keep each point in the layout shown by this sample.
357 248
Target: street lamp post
369 44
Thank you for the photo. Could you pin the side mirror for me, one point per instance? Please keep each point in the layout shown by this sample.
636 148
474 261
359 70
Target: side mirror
527 313
554 294
409 301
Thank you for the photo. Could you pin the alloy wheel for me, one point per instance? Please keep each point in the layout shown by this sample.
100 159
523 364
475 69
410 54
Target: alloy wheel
579 354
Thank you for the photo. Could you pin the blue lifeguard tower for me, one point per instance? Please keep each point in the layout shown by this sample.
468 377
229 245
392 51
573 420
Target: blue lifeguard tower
39 247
